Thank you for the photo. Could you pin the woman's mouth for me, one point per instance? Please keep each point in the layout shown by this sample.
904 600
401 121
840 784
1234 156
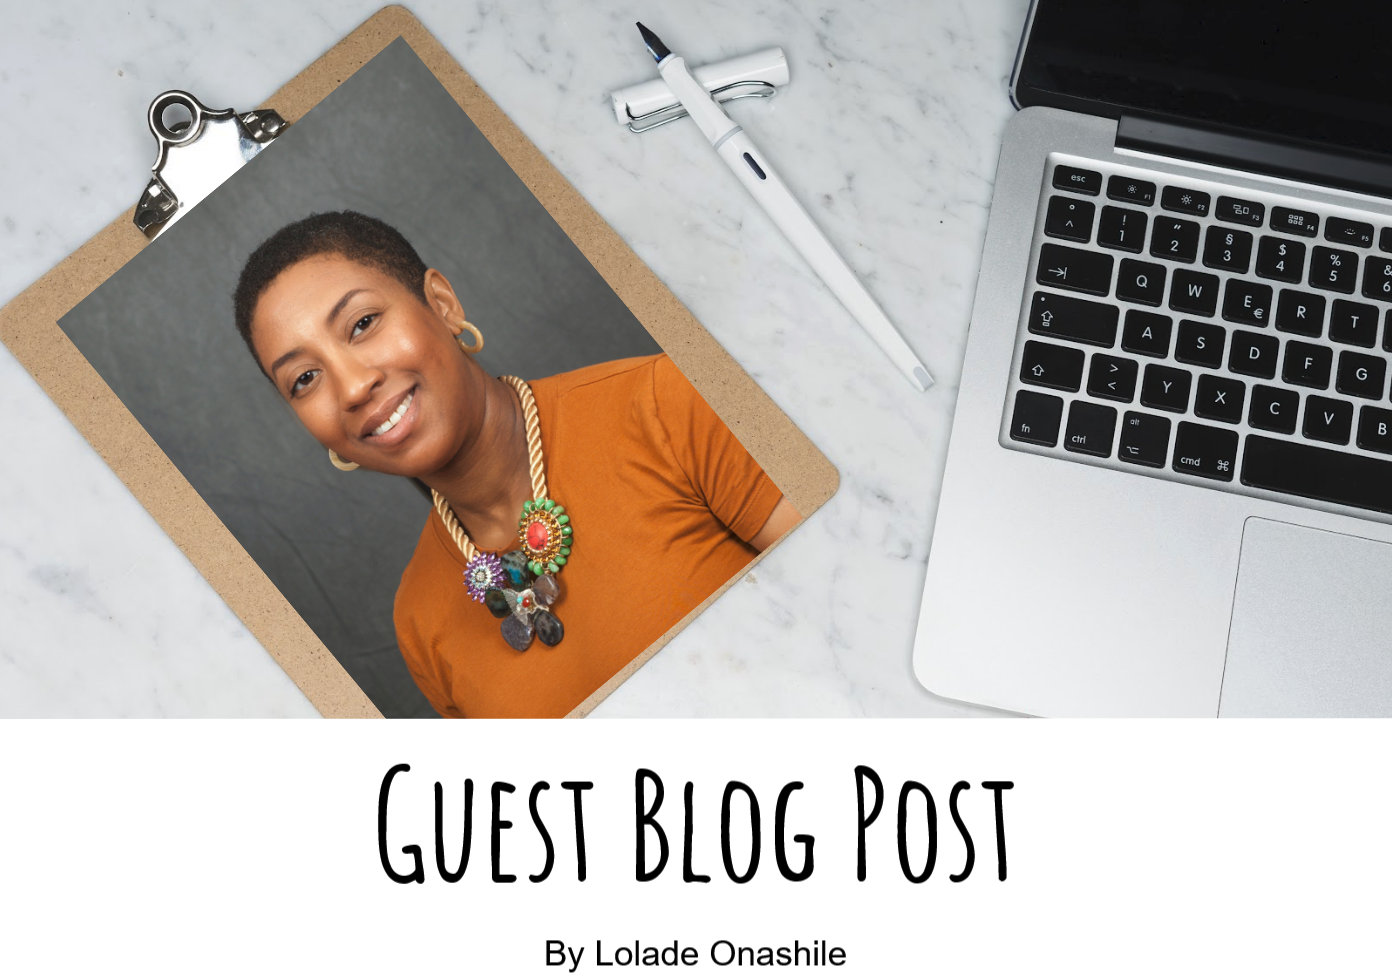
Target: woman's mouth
396 416
396 426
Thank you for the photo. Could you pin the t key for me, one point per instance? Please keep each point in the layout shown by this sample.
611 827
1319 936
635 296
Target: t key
1068 267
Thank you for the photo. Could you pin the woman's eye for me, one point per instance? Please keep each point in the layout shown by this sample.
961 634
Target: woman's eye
301 381
361 324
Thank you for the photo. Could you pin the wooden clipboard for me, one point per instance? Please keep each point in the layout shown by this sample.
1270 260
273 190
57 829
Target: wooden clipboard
29 328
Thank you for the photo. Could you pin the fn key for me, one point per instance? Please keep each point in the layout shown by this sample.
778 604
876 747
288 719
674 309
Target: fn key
1036 418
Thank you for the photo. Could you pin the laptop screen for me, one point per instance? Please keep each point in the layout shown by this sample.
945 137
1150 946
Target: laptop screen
1318 71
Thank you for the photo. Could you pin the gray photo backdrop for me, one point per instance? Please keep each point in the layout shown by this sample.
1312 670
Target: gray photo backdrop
389 142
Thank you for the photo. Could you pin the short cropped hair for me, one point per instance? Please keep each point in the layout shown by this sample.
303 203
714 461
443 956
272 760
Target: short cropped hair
347 233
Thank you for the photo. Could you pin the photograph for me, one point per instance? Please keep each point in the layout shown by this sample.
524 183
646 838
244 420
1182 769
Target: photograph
415 403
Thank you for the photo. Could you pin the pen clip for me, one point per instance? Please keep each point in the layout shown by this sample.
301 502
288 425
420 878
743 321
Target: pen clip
762 89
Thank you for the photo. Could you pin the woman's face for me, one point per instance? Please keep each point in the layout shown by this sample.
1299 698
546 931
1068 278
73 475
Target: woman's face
372 372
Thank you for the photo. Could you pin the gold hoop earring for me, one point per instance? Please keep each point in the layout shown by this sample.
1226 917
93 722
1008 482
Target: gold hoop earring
478 338
341 464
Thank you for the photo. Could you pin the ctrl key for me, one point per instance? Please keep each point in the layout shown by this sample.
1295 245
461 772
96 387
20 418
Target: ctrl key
1205 451
1145 439
1036 418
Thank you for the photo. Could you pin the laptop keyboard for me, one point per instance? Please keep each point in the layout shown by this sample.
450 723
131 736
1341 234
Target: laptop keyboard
1186 330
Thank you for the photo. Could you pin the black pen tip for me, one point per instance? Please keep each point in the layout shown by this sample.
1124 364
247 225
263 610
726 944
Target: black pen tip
655 46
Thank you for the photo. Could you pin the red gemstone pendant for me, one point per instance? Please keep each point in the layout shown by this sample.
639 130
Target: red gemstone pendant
538 536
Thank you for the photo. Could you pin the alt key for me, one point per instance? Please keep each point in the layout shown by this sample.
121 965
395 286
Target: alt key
1145 439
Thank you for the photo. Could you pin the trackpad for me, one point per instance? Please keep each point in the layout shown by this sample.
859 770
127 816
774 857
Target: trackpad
1312 625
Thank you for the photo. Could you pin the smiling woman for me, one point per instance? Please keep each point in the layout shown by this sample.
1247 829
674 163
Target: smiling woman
363 341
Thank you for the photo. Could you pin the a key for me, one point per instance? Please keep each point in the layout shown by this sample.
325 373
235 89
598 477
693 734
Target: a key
1146 333
1193 292
1333 270
1175 240
1220 398
1200 344
1140 282
1247 302
1327 420
1274 409
1036 418
1145 439
1289 221
1077 180
1090 429
1253 354
1339 230
1317 472
1209 452
1280 259
1353 323
1227 249
1129 190
1307 365
1121 229
1377 278
1166 388
1074 319
1112 378
1375 430
1300 312
1360 375
1057 367
1068 267
1237 211
1183 200
1069 219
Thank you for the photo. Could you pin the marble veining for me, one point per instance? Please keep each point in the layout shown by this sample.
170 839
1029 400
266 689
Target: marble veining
889 133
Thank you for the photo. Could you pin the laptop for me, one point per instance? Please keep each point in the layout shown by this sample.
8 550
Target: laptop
1168 490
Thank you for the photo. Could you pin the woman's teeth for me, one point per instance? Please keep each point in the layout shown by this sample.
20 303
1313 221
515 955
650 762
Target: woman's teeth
392 421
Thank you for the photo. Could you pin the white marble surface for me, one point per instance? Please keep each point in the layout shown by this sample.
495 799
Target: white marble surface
889 132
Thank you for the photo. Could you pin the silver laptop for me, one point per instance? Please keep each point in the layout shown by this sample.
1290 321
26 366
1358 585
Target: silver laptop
1169 485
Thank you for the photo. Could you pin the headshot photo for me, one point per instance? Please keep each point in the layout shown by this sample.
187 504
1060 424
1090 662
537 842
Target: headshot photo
424 414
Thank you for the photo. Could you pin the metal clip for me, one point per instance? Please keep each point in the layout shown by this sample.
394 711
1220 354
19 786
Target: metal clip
196 156
763 89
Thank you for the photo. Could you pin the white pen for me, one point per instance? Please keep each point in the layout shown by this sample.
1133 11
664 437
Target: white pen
758 177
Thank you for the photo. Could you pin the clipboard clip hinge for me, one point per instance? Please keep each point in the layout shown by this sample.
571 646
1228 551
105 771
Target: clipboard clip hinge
196 154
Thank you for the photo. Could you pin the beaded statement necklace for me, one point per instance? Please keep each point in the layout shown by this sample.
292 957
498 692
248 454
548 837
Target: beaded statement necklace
520 587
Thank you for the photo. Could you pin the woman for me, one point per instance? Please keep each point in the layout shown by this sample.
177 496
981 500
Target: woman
639 506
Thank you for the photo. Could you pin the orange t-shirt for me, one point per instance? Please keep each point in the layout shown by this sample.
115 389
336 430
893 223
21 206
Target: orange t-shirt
663 500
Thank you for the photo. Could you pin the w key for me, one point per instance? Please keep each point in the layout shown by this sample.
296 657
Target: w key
1075 270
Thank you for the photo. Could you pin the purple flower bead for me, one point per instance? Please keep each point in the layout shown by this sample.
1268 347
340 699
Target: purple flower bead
484 573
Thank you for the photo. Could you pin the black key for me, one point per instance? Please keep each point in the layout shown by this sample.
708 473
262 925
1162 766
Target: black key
1208 452
1385 239
1327 420
1166 388
1289 221
1300 312
1281 259
1070 219
1200 344
1145 439
1360 375
1353 323
1228 249
1220 398
1179 199
1274 409
1307 365
1068 267
1317 472
1377 278
1036 418
1247 302
1374 430
1340 231
1112 378
1387 331
1056 367
1140 282
1146 333
1077 180
1193 292
1121 229
1333 270
1074 319
1236 211
1176 240
1253 354
1090 429
1127 190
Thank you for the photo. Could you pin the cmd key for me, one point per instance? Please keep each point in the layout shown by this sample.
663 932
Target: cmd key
1075 270
1205 451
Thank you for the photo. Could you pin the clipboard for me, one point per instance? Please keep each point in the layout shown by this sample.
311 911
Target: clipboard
29 328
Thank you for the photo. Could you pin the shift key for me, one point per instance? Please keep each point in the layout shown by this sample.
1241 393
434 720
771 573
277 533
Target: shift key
1073 319
1076 270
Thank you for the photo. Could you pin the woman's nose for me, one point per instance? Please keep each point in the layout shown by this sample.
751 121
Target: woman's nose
357 382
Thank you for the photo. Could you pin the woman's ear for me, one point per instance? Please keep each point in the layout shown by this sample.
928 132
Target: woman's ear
440 296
